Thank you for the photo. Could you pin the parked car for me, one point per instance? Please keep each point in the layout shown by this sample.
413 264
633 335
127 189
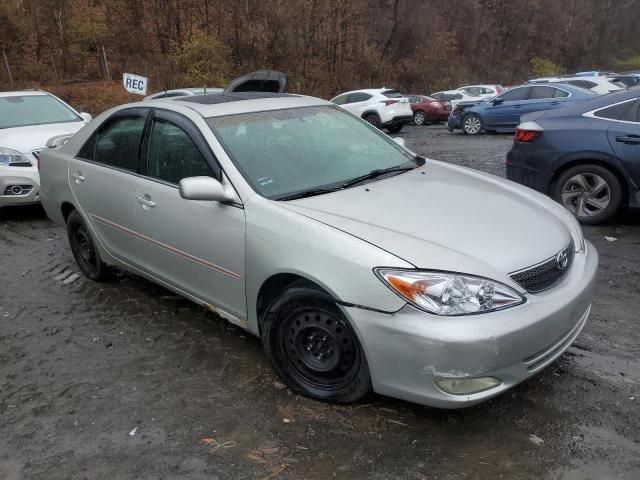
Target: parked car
482 91
28 118
502 114
183 92
260 80
600 85
586 156
297 221
427 109
455 97
381 107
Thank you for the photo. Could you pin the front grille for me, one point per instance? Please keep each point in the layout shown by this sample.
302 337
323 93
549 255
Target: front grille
548 273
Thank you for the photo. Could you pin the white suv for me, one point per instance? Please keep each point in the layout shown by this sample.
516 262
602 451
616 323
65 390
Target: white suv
381 107
27 120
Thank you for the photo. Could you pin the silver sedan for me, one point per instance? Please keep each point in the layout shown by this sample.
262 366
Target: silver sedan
360 265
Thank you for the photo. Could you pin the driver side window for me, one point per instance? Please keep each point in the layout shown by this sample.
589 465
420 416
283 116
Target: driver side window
172 154
515 95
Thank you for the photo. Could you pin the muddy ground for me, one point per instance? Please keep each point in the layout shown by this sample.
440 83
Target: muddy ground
125 380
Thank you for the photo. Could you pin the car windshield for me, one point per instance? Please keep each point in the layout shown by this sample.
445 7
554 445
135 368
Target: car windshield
284 152
25 110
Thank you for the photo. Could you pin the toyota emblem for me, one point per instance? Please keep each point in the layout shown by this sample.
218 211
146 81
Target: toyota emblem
562 260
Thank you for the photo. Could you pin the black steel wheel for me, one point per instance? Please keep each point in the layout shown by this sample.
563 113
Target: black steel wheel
313 348
84 249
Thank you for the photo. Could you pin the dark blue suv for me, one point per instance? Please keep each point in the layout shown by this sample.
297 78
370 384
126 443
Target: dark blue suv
502 113
586 156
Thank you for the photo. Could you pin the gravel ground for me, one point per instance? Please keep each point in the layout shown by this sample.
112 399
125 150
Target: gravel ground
127 380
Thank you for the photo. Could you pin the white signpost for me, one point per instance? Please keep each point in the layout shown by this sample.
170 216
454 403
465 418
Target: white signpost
134 83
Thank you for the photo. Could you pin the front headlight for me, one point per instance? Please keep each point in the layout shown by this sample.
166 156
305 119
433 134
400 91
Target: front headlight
445 293
12 157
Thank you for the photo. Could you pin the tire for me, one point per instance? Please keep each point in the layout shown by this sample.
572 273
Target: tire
395 128
419 118
472 125
313 348
373 119
84 250
591 192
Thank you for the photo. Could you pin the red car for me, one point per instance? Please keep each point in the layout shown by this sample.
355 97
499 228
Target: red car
428 109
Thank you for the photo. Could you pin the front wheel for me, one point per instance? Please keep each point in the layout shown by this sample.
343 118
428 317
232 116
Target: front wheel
419 118
395 128
472 125
84 250
591 192
313 348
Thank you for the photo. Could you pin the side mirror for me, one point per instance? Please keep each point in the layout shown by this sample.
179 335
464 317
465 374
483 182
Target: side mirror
86 116
205 188
497 101
400 141
58 140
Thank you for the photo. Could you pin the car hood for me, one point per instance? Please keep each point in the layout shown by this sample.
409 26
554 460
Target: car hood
446 217
33 137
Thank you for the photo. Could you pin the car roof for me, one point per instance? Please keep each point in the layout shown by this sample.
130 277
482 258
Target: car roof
368 90
238 102
21 93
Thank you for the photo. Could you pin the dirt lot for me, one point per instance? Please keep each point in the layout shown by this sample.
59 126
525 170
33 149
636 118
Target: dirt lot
125 380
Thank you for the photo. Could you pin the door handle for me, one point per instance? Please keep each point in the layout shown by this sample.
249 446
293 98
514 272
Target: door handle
146 202
555 103
517 106
78 176
629 139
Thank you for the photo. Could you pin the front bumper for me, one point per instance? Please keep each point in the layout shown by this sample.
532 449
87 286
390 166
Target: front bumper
406 351
454 121
26 178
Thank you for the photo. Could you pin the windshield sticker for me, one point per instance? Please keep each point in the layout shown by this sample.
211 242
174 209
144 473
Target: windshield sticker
265 181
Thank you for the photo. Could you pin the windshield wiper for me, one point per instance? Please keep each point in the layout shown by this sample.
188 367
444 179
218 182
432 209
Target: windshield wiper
308 193
377 173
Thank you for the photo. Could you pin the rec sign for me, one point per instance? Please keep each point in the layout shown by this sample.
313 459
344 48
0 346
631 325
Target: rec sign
134 83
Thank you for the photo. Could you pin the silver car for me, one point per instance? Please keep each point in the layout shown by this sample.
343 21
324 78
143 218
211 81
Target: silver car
360 265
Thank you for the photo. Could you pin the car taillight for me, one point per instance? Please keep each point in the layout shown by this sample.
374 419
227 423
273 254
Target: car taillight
390 102
527 132
526 136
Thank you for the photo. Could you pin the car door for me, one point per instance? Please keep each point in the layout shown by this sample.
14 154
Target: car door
624 135
195 246
505 110
103 181
358 103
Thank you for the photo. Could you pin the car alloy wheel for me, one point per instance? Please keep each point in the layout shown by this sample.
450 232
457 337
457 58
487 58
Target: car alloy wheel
472 125
593 193
586 194
419 118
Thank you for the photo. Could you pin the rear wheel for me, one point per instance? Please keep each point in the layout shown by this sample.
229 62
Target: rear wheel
591 192
84 250
313 348
373 119
419 118
472 125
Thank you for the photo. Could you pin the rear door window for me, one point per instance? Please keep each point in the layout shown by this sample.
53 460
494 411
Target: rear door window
516 94
117 144
358 97
542 92
172 155
559 93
